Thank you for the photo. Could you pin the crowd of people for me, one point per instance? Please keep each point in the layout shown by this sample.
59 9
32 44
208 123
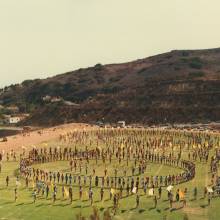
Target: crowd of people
87 152
76 159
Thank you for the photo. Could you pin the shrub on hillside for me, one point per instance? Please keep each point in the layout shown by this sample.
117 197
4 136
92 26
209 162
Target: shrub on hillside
98 66
196 74
196 63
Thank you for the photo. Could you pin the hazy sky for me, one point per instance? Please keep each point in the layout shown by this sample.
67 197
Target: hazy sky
41 38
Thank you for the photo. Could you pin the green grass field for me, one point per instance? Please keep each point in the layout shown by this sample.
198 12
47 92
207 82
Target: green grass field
44 209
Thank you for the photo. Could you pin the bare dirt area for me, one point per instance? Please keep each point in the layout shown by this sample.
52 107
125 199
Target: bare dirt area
17 142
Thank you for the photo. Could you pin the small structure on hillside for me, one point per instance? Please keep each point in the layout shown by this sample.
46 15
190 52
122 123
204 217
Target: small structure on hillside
121 124
56 99
69 103
14 119
46 98
52 99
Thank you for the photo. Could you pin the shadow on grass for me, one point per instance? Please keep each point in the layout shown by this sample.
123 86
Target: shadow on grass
77 207
48 204
40 205
97 201
9 202
204 206
20 204
152 208
176 209
62 205
142 210
123 210
40 198
133 209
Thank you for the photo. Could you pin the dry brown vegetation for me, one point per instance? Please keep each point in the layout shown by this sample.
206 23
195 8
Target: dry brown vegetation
179 86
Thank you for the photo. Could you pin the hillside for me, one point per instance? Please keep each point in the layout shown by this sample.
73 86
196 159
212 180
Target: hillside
179 86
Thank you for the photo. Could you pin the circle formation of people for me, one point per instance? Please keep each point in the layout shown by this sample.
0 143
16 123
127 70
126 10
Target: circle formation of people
118 161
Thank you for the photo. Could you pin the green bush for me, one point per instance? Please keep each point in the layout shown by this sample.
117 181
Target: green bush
185 53
196 63
196 74
98 66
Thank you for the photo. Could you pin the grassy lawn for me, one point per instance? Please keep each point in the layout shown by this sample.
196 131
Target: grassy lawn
45 209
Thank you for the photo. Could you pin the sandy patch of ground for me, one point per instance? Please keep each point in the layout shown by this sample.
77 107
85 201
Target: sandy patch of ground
17 141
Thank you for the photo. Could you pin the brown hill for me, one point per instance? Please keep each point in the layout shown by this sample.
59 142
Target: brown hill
179 86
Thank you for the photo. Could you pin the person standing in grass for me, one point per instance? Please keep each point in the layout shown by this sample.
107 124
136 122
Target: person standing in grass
110 194
80 192
54 196
16 193
128 189
1 162
35 195
91 196
159 191
177 195
43 189
62 178
71 194
155 202
7 181
115 203
63 191
66 178
184 202
145 188
47 191
205 192
209 199
195 193
171 200
121 191
102 193
137 201
26 181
